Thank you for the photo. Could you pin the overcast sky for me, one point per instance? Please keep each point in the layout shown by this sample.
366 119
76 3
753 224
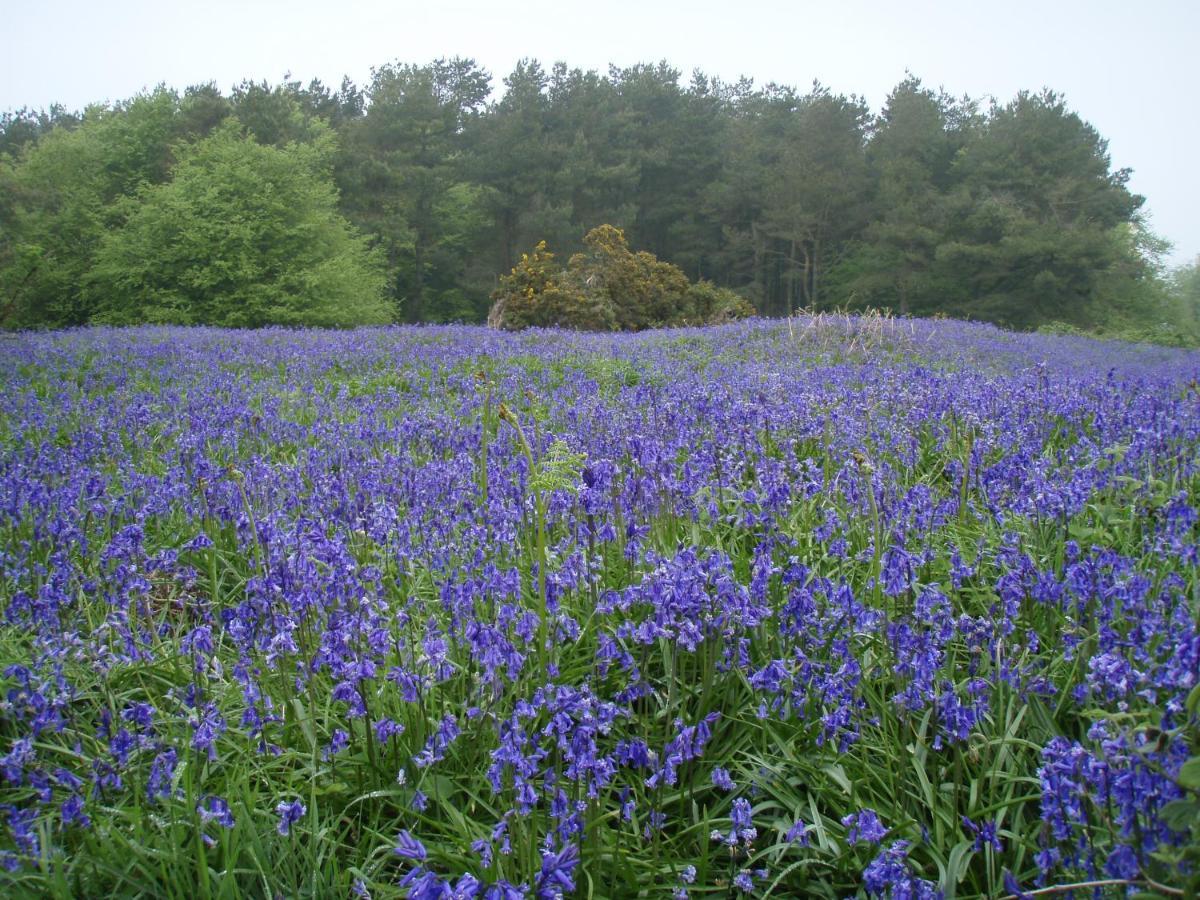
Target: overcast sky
1133 71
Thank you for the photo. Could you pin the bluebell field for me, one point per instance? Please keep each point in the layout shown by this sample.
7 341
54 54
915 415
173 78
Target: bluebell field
828 607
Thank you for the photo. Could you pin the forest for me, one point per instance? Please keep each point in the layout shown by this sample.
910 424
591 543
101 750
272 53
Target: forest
409 199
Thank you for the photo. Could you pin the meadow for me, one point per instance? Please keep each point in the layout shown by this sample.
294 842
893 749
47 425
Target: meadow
832 606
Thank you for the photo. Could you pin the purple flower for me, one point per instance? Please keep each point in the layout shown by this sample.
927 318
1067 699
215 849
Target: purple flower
864 827
162 772
409 847
73 812
338 741
556 877
742 824
208 727
985 834
797 834
386 729
289 812
1014 887
215 809
200 542
889 875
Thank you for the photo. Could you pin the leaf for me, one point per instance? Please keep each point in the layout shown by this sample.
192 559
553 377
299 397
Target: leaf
957 865
1179 815
559 469
1189 774
1193 700
336 787
838 774
305 723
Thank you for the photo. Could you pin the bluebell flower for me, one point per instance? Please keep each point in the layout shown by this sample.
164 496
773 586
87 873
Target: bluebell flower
797 833
408 847
889 875
556 877
985 834
215 809
864 827
289 812
73 812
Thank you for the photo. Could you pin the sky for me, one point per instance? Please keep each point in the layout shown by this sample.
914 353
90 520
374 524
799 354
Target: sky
1132 71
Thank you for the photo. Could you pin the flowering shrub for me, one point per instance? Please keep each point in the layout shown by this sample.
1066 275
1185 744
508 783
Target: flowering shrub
606 288
817 608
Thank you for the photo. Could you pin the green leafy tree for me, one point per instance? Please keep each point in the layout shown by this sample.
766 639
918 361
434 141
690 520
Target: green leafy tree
335 108
794 192
401 165
60 198
736 197
818 197
512 156
1185 288
275 114
675 144
1014 215
22 127
244 235
910 155
1039 222
591 133
711 304
201 109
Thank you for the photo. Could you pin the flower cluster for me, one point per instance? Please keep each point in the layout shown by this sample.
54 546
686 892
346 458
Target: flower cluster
543 612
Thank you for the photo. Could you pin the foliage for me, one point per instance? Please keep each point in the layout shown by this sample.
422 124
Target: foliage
707 303
1184 812
60 197
607 287
244 234
22 127
1184 287
641 290
916 140
1035 219
400 180
537 294
1011 212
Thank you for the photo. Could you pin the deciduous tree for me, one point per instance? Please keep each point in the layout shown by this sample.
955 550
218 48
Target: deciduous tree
244 234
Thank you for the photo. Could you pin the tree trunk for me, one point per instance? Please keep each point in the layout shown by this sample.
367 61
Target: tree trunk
510 239
793 282
418 280
816 273
759 278
805 281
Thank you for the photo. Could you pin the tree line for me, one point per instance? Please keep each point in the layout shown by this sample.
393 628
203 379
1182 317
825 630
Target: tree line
409 197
